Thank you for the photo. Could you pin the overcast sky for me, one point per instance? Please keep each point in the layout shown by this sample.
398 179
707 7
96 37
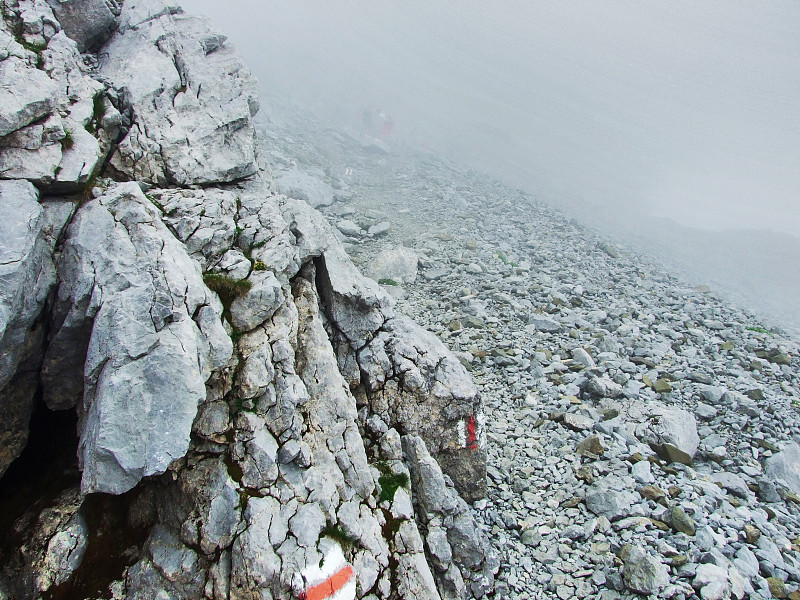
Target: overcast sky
683 109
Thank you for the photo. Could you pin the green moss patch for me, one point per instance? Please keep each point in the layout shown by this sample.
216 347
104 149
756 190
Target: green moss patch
226 287
389 483
335 532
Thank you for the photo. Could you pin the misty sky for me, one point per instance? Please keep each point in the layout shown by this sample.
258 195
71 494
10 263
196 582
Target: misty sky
683 109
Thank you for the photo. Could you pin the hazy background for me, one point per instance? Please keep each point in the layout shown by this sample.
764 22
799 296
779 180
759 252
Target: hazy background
676 123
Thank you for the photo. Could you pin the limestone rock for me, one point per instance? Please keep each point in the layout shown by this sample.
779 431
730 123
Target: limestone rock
28 232
57 538
204 220
396 263
192 99
432 396
133 308
357 305
257 304
437 500
89 22
300 185
33 152
26 94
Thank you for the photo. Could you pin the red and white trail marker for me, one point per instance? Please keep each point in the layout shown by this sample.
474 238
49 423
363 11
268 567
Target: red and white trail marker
471 432
334 580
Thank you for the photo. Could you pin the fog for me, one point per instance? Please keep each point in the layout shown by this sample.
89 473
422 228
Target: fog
624 112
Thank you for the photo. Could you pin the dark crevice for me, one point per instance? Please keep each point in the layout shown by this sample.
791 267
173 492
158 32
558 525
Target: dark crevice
47 466
116 538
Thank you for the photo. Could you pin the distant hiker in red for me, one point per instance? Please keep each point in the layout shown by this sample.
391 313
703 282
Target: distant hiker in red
387 130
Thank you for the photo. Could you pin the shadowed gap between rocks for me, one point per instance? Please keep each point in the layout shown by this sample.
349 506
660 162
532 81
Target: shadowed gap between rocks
47 466
117 533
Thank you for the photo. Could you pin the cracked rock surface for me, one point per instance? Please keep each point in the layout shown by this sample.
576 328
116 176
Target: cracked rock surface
218 400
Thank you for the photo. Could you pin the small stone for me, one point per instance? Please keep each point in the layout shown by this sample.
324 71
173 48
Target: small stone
652 492
782 358
578 422
682 522
776 587
662 386
635 458
752 533
590 446
659 525
641 472
531 537
582 357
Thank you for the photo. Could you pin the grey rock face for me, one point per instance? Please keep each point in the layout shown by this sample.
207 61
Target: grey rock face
191 97
357 305
431 395
250 467
785 465
204 220
259 303
131 305
452 534
26 270
56 542
26 94
89 22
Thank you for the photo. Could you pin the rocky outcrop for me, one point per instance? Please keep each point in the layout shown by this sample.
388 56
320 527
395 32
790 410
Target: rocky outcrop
190 98
253 415
136 334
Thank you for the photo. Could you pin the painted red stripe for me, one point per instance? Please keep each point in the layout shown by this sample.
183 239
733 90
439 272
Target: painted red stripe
330 586
472 439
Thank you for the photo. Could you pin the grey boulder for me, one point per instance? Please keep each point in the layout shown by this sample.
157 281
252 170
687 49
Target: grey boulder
134 318
300 185
397 263
670 431
785 465
644 573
